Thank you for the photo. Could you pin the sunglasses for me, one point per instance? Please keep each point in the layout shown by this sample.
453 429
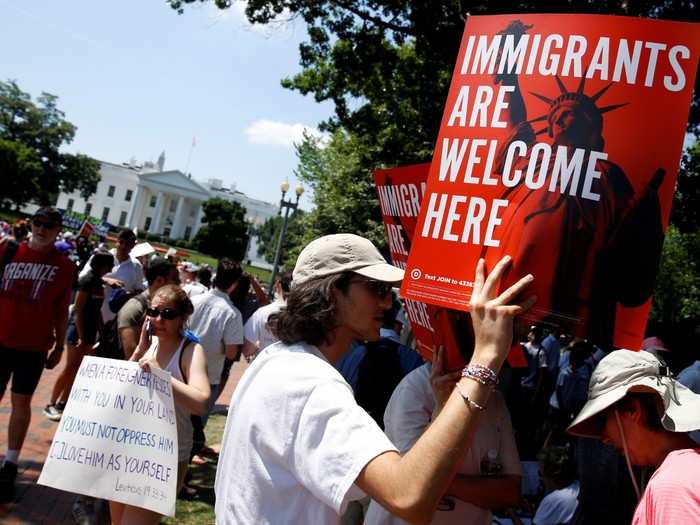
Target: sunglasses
380 288
166 313
48 225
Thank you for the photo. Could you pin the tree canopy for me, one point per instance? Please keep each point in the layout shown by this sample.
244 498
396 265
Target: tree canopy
269 231
225 231
31 135
386 64
386 67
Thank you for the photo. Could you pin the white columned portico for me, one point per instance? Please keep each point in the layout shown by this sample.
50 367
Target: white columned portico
176 231
136 206
198 219
158 214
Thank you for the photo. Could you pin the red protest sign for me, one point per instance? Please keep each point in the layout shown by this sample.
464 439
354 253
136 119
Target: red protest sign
559 146
86 230
400 192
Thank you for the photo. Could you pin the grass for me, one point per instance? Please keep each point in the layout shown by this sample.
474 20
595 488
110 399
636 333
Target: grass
199 510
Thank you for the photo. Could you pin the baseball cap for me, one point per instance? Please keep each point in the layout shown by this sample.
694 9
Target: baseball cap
49 213
190 267
343 252
624 371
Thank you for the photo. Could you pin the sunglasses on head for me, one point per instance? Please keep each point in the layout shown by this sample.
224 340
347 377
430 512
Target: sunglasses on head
380 288
166 313
49 225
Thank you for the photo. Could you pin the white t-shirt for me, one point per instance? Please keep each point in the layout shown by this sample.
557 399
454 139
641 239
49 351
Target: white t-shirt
295 442
194 288
558 506
407 415
256 330
217 323
128 271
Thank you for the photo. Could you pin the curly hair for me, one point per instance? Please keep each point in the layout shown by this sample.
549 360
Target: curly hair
176 295
311 314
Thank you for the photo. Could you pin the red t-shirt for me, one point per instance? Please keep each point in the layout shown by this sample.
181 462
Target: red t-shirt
35 289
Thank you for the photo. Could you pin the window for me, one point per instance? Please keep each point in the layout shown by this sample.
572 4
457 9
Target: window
152 204
105 214
147 224
188 233
110 191
70 204
122 218
128 195
88 208
166 232
173 206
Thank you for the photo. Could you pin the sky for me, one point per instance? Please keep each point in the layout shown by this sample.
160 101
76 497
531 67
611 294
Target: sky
136 79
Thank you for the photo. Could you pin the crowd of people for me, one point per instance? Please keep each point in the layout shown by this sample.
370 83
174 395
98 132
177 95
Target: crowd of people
337 419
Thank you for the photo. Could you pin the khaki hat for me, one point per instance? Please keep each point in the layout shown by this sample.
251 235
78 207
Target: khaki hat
343 252
624 371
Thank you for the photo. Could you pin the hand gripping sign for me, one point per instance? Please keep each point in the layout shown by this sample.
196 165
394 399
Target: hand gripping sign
559 145
117 439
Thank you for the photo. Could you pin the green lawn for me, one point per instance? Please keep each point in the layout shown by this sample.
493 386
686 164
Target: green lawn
200 509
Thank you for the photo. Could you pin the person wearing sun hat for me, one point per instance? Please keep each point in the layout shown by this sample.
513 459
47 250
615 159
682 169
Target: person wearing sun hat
636 406
297 448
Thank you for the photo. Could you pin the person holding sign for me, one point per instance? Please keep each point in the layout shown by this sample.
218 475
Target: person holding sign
298 448
165 344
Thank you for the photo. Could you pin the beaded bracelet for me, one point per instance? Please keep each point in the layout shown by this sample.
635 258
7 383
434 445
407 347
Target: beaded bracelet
469 401
480 374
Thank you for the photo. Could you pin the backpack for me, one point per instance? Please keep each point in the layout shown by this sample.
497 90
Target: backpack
10 251
110 344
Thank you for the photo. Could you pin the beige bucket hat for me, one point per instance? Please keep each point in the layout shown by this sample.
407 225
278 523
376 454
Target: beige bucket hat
343 252
624 371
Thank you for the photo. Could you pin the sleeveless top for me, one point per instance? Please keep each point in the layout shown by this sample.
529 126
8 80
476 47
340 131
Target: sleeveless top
182 416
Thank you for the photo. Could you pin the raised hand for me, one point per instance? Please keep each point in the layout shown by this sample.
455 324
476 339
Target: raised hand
492 315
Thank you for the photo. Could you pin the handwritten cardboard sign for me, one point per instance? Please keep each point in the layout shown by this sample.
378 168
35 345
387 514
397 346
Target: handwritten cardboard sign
117 439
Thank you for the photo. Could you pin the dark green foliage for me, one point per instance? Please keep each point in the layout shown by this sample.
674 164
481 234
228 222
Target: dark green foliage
31 163
268 234
677 293
685 213
225 232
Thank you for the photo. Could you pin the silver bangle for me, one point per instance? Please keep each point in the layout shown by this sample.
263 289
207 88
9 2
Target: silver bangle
469 401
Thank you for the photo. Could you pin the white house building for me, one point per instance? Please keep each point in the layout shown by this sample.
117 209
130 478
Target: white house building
167 203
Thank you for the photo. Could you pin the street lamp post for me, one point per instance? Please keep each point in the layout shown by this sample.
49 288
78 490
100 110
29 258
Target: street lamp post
287 205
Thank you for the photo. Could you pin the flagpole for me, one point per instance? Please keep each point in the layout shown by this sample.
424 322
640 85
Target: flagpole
189 156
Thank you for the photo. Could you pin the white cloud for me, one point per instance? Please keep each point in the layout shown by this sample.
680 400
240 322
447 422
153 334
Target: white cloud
264 131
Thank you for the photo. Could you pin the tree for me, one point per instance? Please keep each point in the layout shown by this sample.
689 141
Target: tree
269 232
677 293
31 135
345 200
225 233
685 213
386 64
